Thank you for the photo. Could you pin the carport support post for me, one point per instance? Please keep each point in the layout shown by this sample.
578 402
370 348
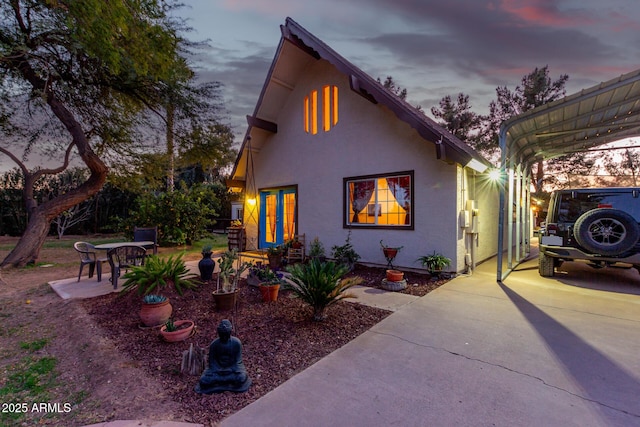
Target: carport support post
501 211
510 211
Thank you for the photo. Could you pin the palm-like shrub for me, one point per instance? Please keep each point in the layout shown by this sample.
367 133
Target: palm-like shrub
320 285
158 273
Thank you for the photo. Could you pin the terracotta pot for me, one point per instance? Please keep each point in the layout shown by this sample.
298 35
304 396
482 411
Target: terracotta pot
395 275
225 300
155 314
269 292
185 329
390 252
274 261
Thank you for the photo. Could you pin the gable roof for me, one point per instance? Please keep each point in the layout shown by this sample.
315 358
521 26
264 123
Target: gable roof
298 48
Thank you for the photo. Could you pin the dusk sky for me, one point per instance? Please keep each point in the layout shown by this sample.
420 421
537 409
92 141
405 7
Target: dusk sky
433 48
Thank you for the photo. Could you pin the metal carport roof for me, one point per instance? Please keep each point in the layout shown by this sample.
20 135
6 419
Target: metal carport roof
604 113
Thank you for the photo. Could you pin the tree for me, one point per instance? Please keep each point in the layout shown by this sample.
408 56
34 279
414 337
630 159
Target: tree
536 89
458 118
398 91
391 85
74 76
626 164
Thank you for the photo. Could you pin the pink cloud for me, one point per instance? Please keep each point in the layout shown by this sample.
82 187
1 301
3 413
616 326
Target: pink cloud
540 12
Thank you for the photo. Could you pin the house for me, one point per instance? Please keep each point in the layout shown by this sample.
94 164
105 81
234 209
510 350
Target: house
329 151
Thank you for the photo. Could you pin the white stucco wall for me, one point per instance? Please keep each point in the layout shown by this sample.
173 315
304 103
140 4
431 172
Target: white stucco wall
368 139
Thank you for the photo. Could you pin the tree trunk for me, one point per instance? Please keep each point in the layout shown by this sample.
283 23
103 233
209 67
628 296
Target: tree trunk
170 148
28 247
539 177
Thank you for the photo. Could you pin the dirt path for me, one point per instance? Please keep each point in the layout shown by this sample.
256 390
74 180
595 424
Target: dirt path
93 377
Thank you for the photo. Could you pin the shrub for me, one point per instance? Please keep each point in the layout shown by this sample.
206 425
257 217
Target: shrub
182 216
320 285
158 273
345 254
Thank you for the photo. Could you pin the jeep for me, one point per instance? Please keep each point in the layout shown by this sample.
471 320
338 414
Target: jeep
598 225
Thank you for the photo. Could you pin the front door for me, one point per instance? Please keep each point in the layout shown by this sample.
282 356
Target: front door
277 216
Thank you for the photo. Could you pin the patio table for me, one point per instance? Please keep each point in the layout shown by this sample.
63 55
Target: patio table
107 246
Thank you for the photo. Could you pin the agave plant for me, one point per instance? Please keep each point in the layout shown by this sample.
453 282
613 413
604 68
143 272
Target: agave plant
320 284
153 299
158 273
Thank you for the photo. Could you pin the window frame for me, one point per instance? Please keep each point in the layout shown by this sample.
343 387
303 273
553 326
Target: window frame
346 223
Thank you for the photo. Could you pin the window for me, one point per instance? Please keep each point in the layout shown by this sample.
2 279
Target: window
329 110
379 201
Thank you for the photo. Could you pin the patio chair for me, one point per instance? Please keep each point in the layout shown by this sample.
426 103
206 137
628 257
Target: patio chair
124 257
296 251
88 257
147 234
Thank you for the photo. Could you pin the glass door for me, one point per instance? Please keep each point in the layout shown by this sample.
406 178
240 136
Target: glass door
277 216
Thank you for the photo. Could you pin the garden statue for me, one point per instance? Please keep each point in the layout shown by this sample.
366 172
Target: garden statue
226 371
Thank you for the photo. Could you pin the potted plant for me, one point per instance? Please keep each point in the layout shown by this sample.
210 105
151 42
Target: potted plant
389 251
176 331
274 254
434 263
159 273
226 293
345 254
295 243
206 265
270 285
316 250
256 273
152 277
155 310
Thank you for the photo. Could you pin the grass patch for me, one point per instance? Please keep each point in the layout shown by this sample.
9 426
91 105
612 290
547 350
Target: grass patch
51 243
218 243
27 383
34 345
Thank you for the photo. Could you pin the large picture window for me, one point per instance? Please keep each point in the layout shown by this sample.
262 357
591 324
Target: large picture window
379 201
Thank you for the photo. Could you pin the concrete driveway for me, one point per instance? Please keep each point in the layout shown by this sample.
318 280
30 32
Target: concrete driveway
531 351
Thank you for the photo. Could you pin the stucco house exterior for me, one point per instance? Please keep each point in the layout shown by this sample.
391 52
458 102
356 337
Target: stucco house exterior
329 150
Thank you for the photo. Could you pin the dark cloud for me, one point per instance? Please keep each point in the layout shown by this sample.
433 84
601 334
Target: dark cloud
436 48
242 77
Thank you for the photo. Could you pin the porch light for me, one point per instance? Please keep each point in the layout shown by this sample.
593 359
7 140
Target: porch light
251 201
495 174
477 165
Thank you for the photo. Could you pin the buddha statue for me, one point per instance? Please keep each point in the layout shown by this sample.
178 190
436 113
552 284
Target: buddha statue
225 371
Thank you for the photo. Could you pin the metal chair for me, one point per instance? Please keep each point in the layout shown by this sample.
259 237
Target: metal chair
88 257
124 257
296 252
147 234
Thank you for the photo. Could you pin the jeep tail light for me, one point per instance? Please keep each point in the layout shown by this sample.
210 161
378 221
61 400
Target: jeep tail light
552 229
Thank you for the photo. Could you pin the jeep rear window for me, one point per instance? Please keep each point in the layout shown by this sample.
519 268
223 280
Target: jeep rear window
571 208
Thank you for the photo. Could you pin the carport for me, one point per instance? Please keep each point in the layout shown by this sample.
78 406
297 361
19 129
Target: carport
604 113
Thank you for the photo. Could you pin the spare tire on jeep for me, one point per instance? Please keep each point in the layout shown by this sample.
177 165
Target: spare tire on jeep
606 231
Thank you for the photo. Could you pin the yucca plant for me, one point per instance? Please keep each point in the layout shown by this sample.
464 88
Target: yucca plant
158 273
320 284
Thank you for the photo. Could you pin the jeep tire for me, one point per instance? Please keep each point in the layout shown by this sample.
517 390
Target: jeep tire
606 231
546 265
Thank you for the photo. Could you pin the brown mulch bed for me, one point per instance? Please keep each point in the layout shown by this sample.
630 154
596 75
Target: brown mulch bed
418 284
279 339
